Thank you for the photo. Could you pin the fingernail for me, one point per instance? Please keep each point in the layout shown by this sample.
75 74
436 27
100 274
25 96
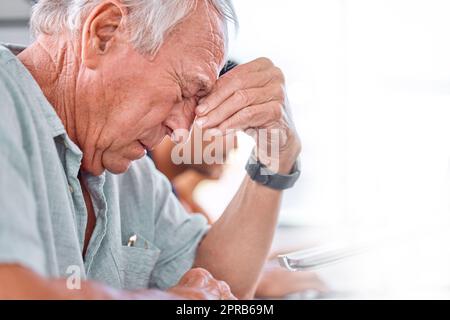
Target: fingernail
201 121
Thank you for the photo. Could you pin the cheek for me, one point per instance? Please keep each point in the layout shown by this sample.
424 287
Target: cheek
139 116
154 137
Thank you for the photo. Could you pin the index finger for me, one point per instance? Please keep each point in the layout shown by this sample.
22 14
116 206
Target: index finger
237 79
225 83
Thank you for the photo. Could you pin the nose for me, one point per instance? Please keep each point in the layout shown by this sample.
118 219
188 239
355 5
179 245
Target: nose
180 120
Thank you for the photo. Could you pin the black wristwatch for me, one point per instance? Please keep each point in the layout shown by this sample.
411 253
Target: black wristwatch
262 175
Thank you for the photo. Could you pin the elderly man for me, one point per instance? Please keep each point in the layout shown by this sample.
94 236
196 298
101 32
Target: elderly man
105 81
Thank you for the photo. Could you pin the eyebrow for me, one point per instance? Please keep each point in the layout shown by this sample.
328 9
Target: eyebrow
200 80
204 86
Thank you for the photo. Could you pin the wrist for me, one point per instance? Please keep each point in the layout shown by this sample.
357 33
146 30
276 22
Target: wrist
285 167
289 155
261 174
283 162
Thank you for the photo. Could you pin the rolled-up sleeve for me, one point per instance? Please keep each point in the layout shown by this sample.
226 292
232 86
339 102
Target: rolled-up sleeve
20 242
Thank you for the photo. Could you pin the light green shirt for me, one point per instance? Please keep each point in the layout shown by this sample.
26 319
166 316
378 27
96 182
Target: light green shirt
42 211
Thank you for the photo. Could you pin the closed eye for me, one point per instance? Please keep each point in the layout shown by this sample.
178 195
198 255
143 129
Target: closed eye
205 88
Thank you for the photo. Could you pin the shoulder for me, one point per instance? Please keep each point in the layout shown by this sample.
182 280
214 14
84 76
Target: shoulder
11 82
14 117
10 68
13 120
9 121
5 55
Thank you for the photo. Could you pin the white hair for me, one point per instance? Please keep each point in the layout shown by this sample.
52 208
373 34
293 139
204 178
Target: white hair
147 20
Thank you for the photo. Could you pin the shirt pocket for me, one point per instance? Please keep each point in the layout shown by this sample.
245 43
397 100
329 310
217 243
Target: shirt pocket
135 264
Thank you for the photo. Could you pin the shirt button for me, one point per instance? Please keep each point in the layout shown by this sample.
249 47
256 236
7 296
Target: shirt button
70 188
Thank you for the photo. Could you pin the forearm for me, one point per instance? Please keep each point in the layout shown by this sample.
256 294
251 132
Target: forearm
17 282
236 247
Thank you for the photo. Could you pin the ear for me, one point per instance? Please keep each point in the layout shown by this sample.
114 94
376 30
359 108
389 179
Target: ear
100 31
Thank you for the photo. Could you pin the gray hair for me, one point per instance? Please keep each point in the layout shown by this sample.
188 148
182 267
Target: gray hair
148 20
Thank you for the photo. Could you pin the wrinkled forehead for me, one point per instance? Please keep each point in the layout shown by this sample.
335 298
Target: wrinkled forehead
203 32
219 34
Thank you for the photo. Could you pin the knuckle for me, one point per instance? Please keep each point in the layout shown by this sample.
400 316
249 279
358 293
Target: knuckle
239 82
200 272
231 79
277 111
265 61
247 113
242 96
279 75
279 93
232 76
236 81
224 286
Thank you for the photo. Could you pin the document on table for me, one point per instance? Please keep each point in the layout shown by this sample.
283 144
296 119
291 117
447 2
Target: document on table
320 256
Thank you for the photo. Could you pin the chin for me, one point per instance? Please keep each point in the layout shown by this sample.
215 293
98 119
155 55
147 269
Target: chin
117 166
120 168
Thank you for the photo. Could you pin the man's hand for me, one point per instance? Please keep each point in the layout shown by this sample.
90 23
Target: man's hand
276 282
252 96
199 284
